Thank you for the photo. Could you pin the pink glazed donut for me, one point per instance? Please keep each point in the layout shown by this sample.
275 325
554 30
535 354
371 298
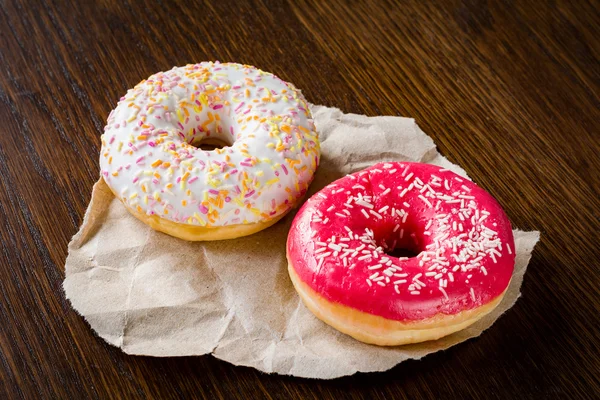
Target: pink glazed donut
339 247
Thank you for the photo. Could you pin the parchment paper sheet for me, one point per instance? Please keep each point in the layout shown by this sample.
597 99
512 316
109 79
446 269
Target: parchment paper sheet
151 294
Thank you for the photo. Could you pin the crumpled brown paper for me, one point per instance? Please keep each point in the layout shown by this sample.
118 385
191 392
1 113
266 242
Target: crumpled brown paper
152 294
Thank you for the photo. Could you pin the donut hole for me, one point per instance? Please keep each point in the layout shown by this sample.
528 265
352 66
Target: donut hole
406 244
211 143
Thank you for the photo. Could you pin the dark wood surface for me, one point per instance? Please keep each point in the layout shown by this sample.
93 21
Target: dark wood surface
507 89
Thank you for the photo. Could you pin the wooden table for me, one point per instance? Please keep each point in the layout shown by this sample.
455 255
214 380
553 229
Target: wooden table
508 90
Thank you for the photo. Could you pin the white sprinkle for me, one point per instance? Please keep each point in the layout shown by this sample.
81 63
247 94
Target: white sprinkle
415 292
381 284
335 247
376 266
404 218
320 263
331 208
399 281
403 192
369 282
484 270
396 289
364 212
405 171
345 261
401 233
454 225
408 176
425 201
375 275
364 203
452 201
451 276
375 214
364 257
438 276
443 292
417 276
428 224
326 220
508 248
472 294
466 188
396 228
321 195
383 209
340 215
313 234
358 187
430 273
386 191
458 179
322 249
381 187
323 255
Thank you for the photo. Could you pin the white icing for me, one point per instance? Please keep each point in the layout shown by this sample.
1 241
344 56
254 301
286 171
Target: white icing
148 161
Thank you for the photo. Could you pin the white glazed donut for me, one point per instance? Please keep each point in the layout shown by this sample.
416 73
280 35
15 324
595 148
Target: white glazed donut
152 162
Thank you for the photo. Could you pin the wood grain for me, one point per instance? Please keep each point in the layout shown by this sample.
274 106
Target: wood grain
507 89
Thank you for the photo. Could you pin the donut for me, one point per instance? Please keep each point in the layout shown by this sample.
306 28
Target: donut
152 157
345 263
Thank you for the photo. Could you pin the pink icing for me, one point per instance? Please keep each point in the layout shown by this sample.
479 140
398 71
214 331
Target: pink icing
338 241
